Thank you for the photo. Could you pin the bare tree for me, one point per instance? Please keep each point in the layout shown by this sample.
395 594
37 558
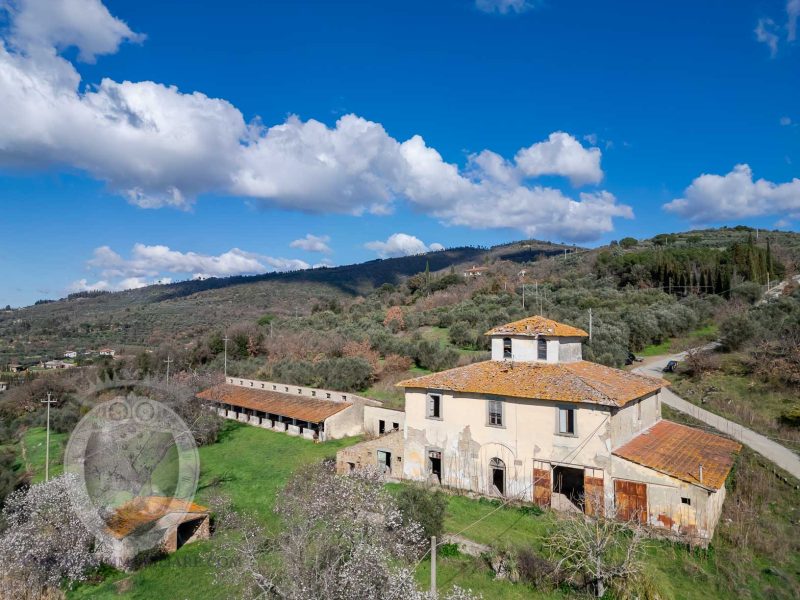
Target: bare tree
601 550
342 537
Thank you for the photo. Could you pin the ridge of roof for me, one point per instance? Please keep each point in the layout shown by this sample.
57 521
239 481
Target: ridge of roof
536 325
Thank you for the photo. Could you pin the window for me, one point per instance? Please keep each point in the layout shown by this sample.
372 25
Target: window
327 394
496 413
435 464
381 426
566 421
434 406
686 501
384 461
497 470
395 426
507 348
541 349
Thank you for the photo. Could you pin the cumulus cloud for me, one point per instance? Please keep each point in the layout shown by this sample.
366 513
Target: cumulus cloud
716 198
313 243
401 244
505 6
562 155
786 121
147 265
38 25
160 147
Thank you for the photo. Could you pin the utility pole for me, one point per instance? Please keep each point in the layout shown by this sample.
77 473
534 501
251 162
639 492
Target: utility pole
523 296
49 401
169 362
433 564
590 324
225 339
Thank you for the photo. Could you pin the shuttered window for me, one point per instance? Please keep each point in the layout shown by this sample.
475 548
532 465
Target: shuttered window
566 421
542 349
435 406
496 413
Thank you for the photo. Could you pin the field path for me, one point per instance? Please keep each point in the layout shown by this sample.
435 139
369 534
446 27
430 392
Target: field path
780 455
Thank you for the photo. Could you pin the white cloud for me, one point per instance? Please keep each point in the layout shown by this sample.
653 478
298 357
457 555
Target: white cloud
562 155
792 14
765 33
148 264
401 244
158 147
786 121
716 198
38 25
313 243
505 6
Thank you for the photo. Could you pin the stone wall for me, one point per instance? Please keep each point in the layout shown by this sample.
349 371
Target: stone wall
365 454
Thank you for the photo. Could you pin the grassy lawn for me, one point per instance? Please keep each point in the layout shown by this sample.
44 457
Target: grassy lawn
251 464
697 337
32 452
248 464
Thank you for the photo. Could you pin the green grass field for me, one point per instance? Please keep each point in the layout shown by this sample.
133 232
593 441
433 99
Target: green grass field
697 337
32 452
251 465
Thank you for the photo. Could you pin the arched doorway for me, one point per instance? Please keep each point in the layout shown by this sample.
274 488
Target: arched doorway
497 473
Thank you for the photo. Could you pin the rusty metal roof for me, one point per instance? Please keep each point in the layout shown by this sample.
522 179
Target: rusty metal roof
537 325
679 450
313 410
564 382
141 511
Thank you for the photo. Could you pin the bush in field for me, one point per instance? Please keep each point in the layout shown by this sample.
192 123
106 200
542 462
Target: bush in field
735 331
425 507
462 336
395 363
434 357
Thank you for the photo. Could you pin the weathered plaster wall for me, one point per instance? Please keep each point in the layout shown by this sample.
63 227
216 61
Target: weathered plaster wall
664 506
468 442
373 414
626 422
345 423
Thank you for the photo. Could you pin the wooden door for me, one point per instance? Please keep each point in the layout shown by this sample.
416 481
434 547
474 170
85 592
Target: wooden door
542 487
631 500
593 493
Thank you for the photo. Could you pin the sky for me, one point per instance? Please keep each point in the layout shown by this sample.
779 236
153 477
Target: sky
158 141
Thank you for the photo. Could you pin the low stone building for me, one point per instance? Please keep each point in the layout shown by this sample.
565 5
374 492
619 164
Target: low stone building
314 413
385 452
170 523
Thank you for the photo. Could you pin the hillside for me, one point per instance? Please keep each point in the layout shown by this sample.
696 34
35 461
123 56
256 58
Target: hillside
183 312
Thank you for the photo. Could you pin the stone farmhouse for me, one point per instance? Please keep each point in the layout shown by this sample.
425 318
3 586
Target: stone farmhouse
535 423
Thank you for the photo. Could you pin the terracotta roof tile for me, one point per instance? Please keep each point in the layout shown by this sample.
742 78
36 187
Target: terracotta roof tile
313 410
141 511
565 382
537 325
679 450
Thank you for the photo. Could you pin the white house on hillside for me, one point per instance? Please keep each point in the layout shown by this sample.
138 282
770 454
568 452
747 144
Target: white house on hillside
539 424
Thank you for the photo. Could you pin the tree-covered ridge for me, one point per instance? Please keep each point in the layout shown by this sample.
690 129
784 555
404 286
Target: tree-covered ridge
693 269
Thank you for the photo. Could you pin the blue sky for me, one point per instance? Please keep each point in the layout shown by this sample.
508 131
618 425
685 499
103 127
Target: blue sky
378 129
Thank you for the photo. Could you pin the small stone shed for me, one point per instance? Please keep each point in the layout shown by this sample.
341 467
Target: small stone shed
175 522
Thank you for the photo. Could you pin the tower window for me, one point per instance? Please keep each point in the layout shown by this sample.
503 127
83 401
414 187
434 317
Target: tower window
507 347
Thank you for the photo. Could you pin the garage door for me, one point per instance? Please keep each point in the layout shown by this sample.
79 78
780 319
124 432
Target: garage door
631 500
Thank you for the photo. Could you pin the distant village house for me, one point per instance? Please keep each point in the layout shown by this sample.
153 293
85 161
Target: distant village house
475 271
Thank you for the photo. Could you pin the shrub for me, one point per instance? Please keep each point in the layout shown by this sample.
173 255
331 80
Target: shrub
735 331
424 507
434 357
628 242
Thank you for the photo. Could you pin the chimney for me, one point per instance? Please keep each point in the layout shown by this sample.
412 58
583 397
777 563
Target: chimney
701 472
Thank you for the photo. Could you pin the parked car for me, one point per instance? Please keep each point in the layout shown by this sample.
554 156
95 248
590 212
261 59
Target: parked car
670 366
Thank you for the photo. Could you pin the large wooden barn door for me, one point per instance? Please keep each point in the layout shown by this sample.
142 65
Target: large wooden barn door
631 500
542 485
593 493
